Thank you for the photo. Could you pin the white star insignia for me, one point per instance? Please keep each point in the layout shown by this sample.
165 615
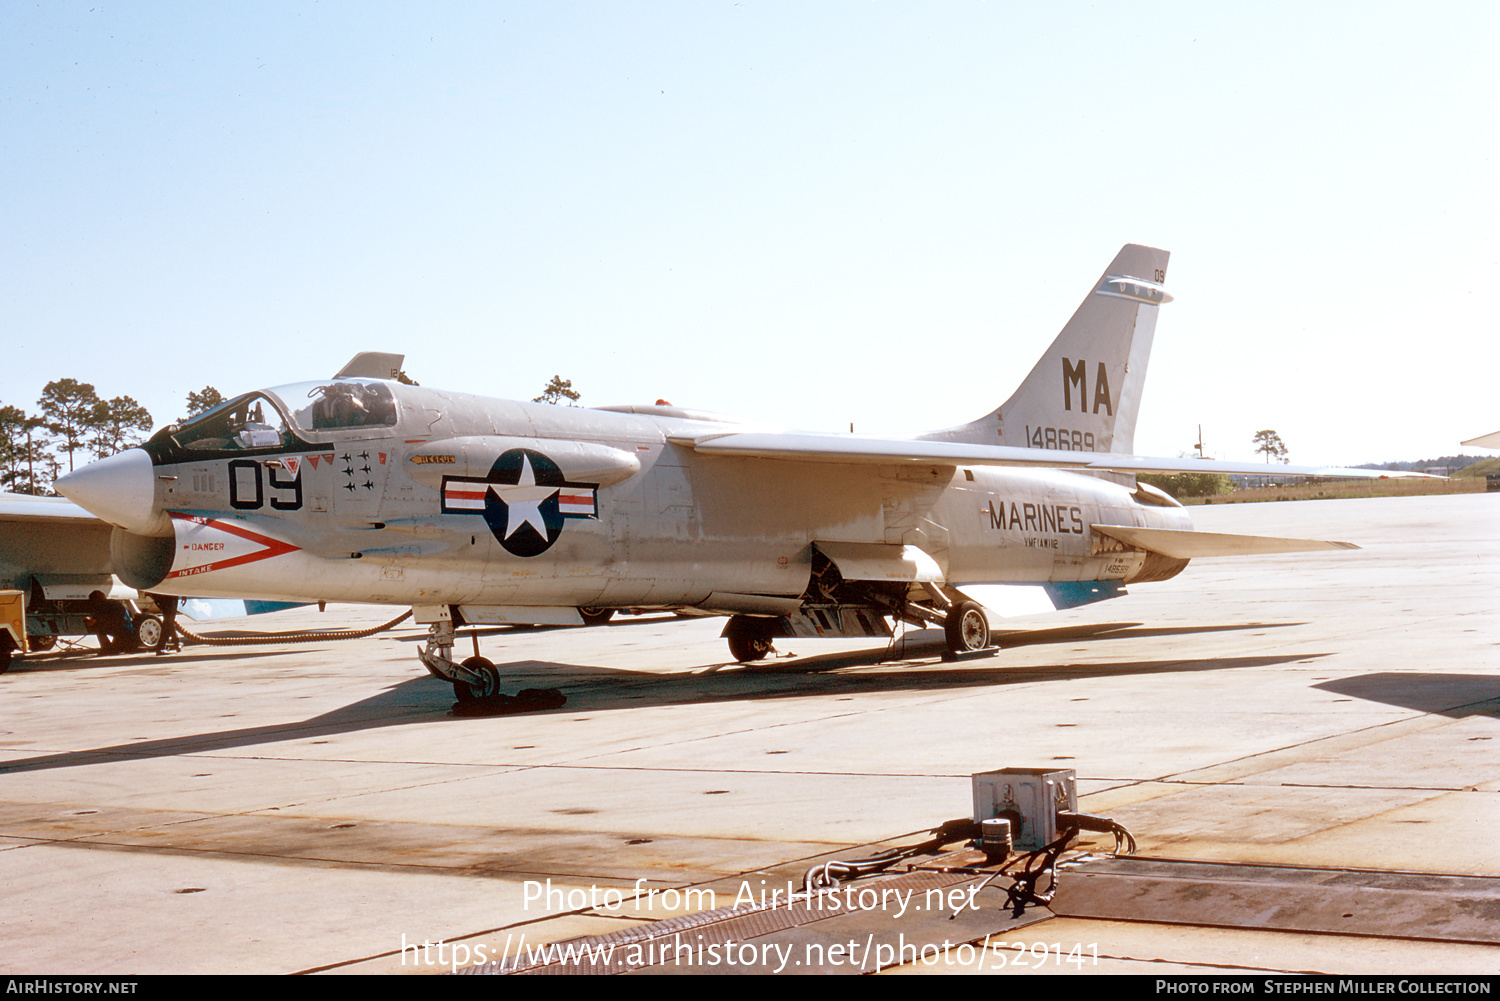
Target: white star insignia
523 501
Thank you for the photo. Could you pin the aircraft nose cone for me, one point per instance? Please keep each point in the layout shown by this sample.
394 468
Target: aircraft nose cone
120 489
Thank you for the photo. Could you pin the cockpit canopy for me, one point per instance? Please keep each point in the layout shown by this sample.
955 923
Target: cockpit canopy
236 425
287 417
341 403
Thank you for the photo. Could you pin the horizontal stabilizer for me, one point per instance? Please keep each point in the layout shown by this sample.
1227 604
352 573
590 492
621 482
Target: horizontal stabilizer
1187 545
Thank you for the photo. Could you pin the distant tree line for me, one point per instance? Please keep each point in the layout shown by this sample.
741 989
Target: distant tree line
1421 465
72 417
1182 485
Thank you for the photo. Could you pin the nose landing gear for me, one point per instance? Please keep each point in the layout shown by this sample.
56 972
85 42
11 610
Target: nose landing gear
487 681
476 681
475 678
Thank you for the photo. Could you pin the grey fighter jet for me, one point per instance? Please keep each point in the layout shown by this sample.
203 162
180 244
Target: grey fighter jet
480 511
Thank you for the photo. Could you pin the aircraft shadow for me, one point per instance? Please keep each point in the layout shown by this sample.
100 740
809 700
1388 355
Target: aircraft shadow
426 700
420 700
1126 629
70 660
1454 695
804 680
927 643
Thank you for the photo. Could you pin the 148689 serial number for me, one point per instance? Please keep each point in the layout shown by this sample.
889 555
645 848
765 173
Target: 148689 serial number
1063 439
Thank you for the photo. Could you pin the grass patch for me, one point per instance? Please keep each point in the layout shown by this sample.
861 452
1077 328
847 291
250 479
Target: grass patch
1332 489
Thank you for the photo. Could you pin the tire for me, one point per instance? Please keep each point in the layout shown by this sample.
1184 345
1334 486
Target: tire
967 628
148 630
749 639
596 616
489 684
41 642
7 651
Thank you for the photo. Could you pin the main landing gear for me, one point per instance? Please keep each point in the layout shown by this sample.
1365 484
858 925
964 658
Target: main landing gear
967 629
965 625
596 616
750 638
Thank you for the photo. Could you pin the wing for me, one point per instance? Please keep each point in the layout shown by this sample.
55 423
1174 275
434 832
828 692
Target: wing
852 449
54 543
43 510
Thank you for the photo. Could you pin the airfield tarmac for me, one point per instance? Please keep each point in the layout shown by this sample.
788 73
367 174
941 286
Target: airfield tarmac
1312 726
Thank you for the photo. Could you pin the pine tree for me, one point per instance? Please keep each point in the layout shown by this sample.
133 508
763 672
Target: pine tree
559 390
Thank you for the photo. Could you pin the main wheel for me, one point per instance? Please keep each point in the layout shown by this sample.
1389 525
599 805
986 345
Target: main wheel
7 651
749 639
967 628
489 681
596 616
148 632
41 642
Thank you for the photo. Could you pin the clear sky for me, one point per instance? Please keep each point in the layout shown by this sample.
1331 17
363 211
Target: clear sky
814 213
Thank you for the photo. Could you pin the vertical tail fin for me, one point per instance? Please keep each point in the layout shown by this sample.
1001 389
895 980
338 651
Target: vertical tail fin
1085 392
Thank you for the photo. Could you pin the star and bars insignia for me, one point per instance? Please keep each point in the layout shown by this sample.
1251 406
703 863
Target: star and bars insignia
525 500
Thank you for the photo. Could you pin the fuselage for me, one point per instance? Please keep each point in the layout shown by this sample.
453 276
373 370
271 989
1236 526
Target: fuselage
373 491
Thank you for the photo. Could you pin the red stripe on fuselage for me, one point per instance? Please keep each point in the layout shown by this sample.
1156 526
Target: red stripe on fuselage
274 547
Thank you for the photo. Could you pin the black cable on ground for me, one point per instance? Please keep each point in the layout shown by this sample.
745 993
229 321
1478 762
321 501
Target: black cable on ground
1024 888
833 872
1101 825
302 636
1042 862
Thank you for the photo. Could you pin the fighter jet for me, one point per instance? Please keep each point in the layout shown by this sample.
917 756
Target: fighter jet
481 511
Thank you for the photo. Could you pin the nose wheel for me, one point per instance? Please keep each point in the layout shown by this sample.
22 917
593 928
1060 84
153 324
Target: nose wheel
475 678
486 680
476 681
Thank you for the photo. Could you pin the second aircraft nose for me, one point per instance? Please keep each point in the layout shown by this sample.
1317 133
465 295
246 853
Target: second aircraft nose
120 490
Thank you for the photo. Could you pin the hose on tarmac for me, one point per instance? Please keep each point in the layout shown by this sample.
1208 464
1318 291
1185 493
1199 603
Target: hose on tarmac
299 636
